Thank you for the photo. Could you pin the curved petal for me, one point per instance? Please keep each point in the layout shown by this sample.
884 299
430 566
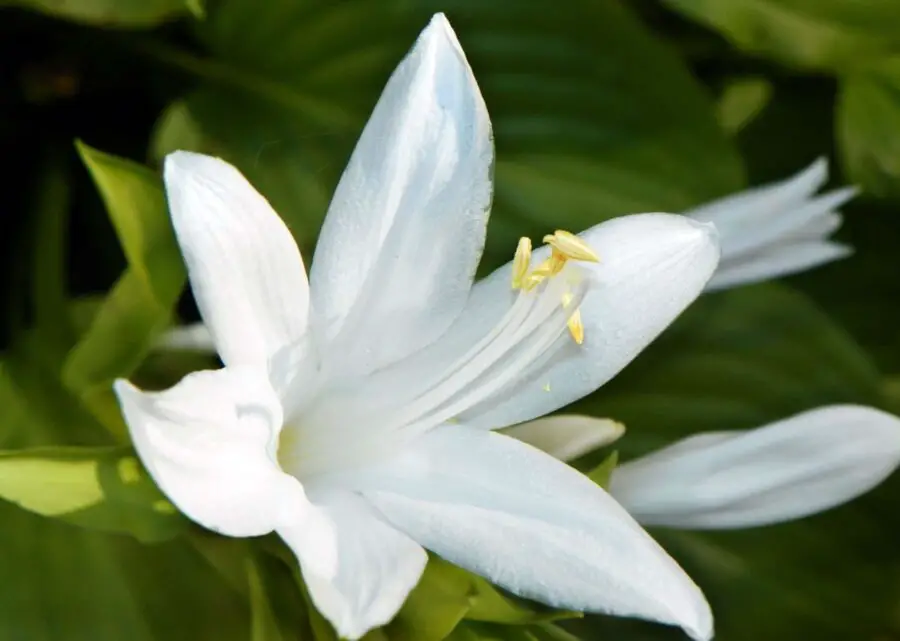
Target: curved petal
209 443
532 525
798 466
776 229
567 436
375 565
741 214
652 266
405 230
245 269
779 260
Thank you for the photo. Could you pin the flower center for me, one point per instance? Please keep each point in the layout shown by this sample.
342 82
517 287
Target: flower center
474 361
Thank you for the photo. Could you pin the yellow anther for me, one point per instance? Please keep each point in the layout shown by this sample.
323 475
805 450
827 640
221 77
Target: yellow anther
571 246
521 262
546 387
576 327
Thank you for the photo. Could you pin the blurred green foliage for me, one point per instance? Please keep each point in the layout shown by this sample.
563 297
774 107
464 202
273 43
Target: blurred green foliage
600 108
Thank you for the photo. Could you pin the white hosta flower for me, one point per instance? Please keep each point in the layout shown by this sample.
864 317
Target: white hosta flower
354 410
765 232
776 229
798 466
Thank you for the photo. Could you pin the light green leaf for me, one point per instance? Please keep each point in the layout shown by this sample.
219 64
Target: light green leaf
831 34
868 127
434 607
580 136
109 13
96 488
140 305
603 472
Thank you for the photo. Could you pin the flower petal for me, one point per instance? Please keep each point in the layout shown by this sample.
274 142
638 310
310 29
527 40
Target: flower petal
532 525
744 212
194 337
567 436
405 230
652 266
209 443
798 466
376 565
778 260
245 269
776 229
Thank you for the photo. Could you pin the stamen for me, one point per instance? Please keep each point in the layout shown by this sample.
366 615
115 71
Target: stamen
521 262
550 267
576 327
571 246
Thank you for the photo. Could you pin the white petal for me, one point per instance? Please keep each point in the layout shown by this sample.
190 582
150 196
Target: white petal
567 436
209 443
195 337
376 566
746 209
652 266
776 229
798 466
792 220
405 230
775 261
532 525
245 269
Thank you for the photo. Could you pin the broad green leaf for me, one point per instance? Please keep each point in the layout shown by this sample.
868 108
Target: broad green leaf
96 488
110 13
580 135
868 127
140 305
739 360
64 583
60 583
832 34
741 101
434 608
264 625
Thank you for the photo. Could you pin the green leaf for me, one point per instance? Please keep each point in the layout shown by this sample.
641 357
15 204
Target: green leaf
741 101
434 607
140 305
739 360
48 285
868 127
601 473
97 488
830 34
580 136
264 625
59 582
109 13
